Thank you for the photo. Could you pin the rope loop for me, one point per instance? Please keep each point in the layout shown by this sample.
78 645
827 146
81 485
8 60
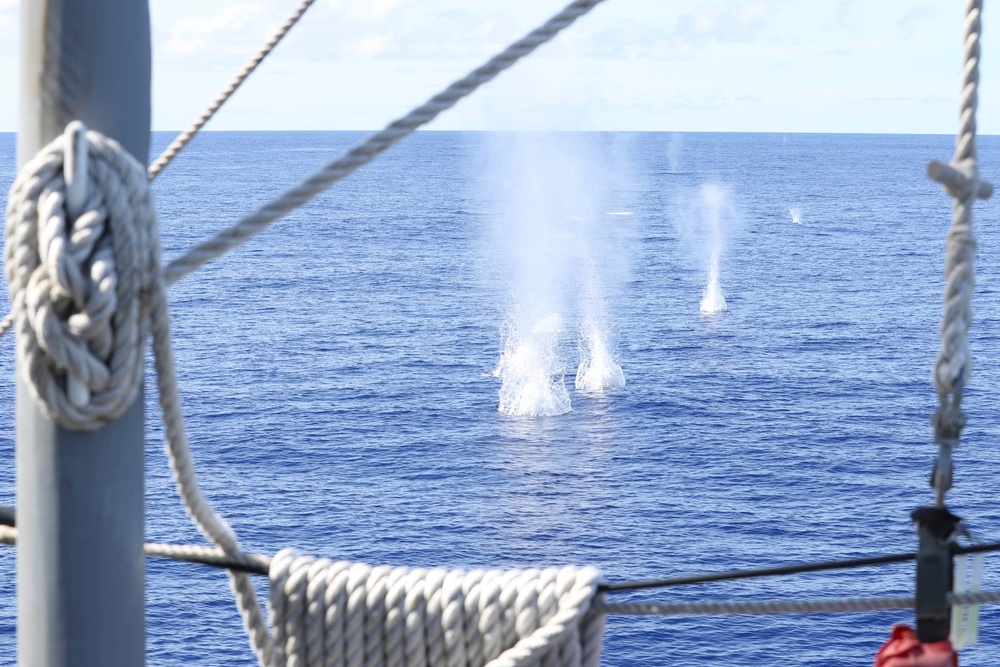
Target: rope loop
82 250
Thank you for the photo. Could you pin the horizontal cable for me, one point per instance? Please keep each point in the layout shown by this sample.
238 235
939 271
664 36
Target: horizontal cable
781 570
259 564
782 606
251 563
750 574
753 606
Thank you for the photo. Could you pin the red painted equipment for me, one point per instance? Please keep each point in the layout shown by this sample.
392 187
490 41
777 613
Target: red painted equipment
904 650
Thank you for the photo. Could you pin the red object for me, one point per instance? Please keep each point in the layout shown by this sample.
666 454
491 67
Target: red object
904 650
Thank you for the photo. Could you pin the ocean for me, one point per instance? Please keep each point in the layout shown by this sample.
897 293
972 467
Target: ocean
341 373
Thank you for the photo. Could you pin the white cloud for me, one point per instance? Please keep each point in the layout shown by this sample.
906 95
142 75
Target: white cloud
189 37
781 65
913 18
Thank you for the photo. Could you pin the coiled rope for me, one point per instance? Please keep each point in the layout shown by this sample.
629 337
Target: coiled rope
961 180
326 613
86 290
81 257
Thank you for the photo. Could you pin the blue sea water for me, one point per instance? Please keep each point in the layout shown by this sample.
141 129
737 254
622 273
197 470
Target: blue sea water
337 378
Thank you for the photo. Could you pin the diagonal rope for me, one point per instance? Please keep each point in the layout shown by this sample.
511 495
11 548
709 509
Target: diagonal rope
373 146
185 137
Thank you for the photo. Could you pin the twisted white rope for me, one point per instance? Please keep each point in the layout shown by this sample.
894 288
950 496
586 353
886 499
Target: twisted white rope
182 552
373 146
768 607
961 180
182 140
86 290
78 278
325 613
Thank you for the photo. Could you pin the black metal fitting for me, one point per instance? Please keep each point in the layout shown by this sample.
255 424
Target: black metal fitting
937 529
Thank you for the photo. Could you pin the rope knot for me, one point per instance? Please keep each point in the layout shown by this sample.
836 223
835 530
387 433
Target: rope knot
960 179
81 255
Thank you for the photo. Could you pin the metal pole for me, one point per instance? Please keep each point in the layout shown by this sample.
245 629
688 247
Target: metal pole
80 566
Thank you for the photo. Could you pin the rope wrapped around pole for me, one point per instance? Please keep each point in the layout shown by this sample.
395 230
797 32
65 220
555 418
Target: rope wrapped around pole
80 257
86 290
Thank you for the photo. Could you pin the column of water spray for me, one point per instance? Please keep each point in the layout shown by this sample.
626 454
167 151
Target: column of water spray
705 223
549 233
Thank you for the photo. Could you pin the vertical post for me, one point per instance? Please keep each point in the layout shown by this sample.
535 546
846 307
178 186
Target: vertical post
937 528
80 565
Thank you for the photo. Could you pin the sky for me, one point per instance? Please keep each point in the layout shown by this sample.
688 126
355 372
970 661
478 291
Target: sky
886 66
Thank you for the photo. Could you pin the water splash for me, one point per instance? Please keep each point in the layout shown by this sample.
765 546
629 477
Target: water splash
712 298
599 370
561 250
706 222
531 370
796 214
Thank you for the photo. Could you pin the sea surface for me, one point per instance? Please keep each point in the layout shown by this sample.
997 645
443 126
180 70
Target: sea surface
340 374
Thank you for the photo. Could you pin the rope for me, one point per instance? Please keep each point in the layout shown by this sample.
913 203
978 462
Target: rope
317 595
259 564
185 137
961 180
86 289
372 147
77 272
250 563
770 607
762 572
83 267
326 613
207 556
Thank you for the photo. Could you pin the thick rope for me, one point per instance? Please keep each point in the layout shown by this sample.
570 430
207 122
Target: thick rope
961 180
768 607
373 146
188 553
326 613
182 140
78 279
86 289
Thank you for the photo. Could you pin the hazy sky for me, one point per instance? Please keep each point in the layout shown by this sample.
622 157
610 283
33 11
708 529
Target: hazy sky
673 65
